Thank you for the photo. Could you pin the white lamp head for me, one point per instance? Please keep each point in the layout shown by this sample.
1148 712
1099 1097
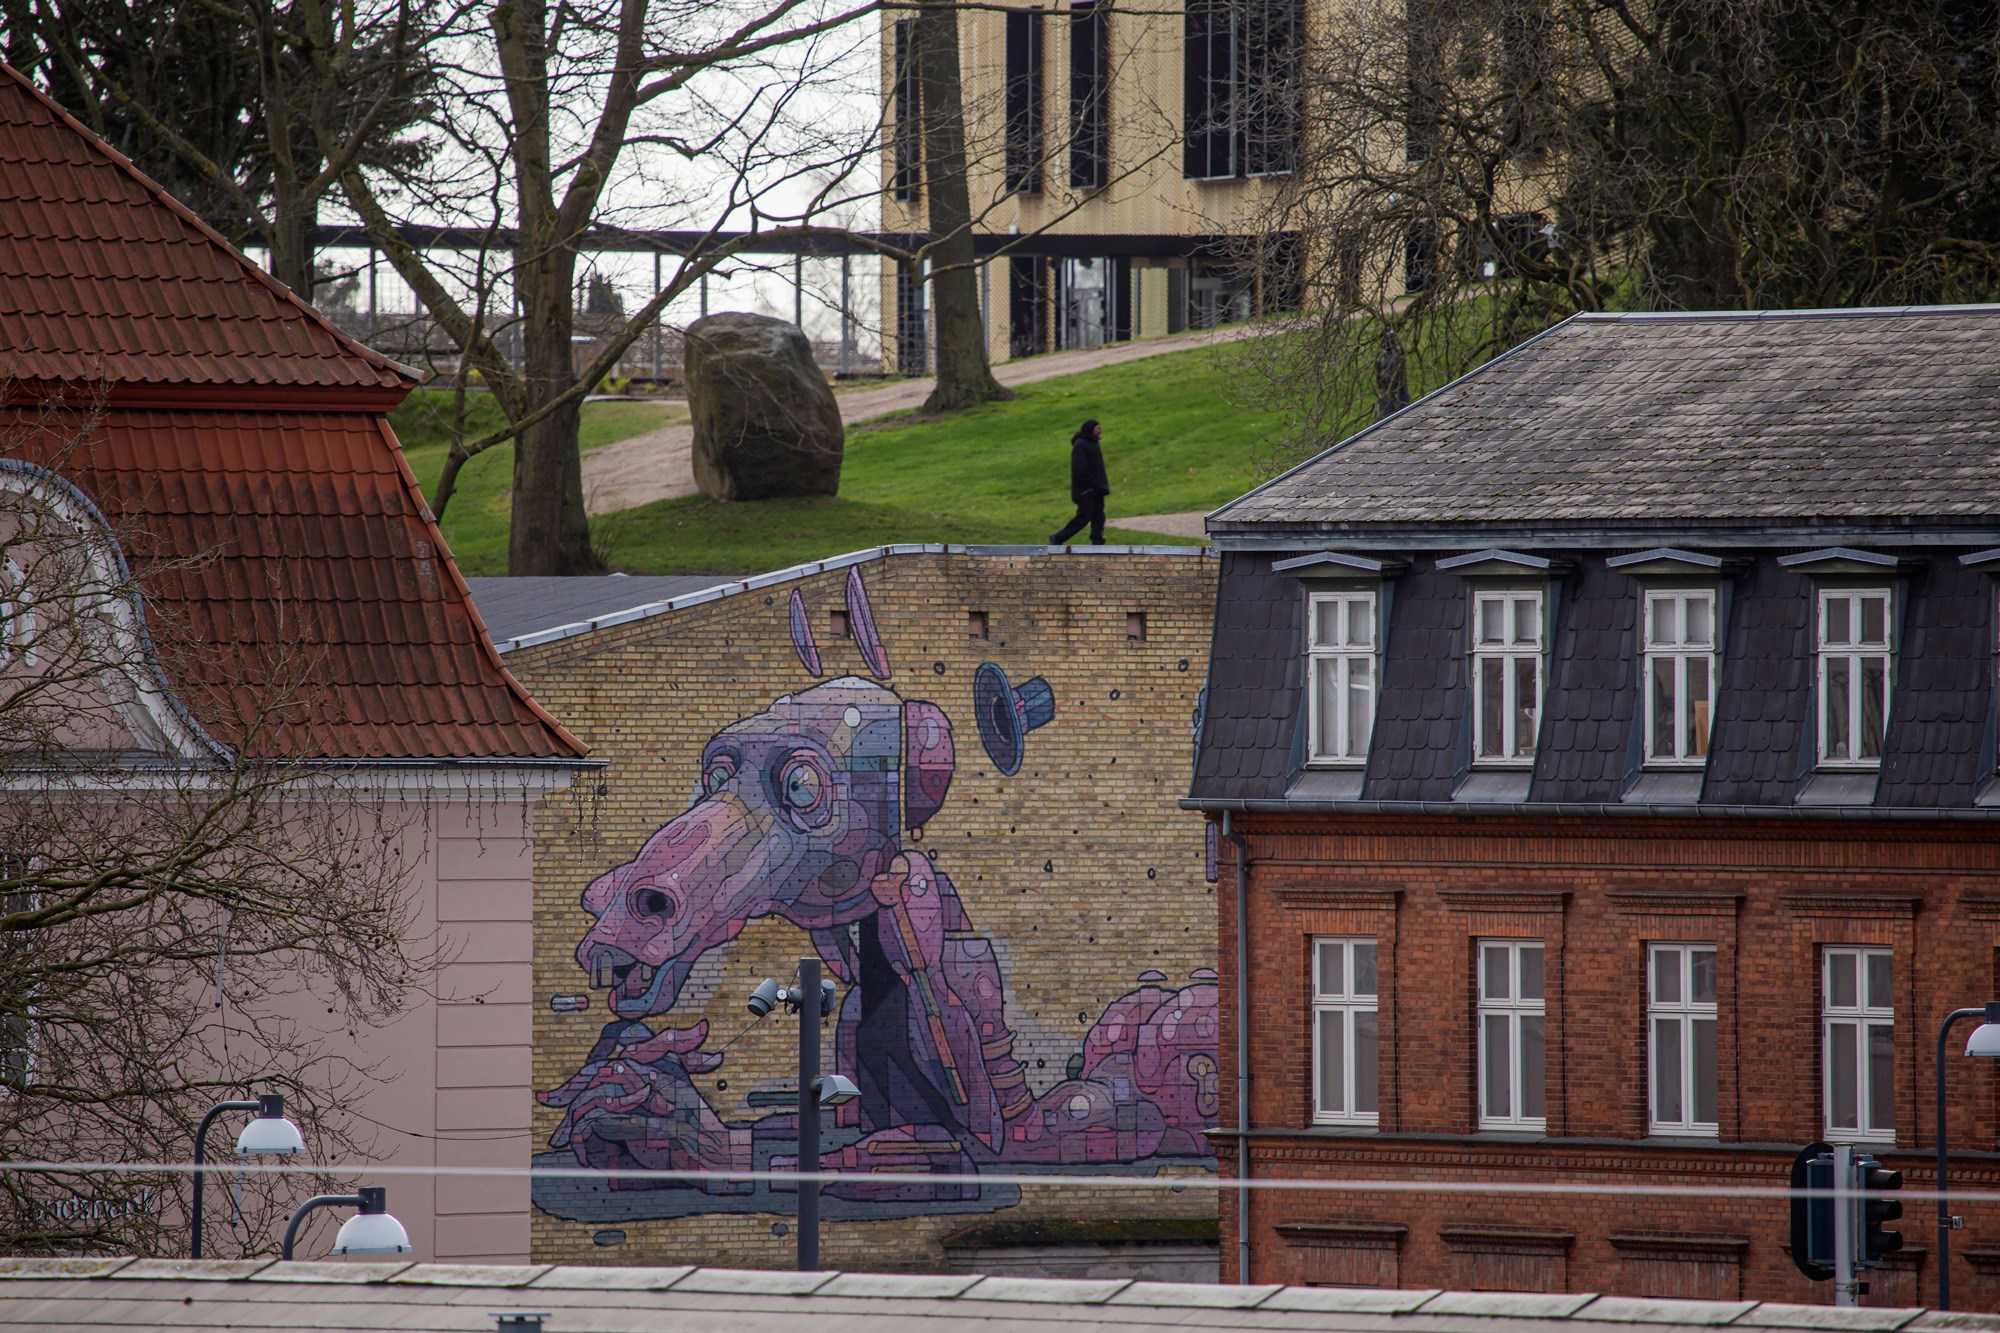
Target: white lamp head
372 1230
835 1089
271 1132
1985 1039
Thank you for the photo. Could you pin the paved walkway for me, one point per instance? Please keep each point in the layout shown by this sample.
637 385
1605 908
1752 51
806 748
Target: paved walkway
659 465
1172 525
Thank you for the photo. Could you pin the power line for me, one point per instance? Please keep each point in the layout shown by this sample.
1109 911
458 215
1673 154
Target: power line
1173 1184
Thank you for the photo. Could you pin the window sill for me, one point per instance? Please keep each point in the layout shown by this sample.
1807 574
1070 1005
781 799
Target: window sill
1349 1126
1673 765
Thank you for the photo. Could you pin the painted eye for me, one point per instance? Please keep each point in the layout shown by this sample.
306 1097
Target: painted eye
650 902
804 787
717 775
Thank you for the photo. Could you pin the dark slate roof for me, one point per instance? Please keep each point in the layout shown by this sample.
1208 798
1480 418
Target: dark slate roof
1939 745
1252 726
513 607
1761 743
1590 743
1943 700
1848 414
1419 747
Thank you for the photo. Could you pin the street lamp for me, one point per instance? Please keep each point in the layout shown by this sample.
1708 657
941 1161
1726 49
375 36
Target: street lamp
814 1091
370 1231
1985 1041
269 1133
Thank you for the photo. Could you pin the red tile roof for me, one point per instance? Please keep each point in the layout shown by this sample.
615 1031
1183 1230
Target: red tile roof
245 463
106 278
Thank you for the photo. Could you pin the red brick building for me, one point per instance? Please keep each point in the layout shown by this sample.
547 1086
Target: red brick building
1605 753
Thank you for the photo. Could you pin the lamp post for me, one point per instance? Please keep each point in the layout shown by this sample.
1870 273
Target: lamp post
811 1000
269 1133
370 1231
1985 1040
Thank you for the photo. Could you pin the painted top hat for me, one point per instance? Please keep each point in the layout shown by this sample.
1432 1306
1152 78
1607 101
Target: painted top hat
1006 715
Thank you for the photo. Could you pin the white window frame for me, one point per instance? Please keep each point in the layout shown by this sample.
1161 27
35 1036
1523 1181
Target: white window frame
1515 1009
1510 650
1680 652
1684 1013
1344 655
1342 1004
1864 1017
1854 653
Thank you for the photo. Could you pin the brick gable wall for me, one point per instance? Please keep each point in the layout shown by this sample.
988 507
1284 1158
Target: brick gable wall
1079 867
1769 895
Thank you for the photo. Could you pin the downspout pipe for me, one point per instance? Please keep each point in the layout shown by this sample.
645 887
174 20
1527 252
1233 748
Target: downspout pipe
1241 845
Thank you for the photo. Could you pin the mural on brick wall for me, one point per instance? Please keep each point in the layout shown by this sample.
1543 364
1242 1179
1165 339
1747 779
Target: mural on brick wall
812 811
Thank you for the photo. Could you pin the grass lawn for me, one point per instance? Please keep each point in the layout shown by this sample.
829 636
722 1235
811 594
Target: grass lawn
1174 441
475 523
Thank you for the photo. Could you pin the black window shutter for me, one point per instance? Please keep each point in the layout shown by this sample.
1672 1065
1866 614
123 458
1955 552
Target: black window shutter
1089 112
1024 101
907 140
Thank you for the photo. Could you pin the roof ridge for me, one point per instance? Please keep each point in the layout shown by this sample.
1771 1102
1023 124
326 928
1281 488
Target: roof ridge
1804 312
351 346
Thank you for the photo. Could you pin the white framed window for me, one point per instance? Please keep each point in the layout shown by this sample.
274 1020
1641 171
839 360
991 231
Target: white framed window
1853 675
1858 1044
1346 1032
1513 1035
1680 674
1341 633
1506 675
1680 1038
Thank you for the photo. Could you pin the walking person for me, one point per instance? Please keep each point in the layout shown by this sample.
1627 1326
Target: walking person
1088 485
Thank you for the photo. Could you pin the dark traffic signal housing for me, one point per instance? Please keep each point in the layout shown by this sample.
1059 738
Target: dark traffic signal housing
1874 1180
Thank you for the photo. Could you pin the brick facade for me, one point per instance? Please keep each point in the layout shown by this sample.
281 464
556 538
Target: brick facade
1769 895
1078 867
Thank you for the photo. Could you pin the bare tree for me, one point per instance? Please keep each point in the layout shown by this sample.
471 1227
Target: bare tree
181 919
284 100
964 378
1473 172
588 100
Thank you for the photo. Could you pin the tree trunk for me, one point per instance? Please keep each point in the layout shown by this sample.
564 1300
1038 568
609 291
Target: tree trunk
549 532
963 375
290 239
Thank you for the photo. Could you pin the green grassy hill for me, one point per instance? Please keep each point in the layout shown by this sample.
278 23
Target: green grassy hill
1175 440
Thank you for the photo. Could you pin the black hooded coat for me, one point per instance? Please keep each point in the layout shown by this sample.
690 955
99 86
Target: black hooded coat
1086 468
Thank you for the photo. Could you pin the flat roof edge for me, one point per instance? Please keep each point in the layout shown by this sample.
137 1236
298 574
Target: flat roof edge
727 588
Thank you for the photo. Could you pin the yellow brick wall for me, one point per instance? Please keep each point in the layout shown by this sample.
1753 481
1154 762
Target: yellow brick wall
1079 867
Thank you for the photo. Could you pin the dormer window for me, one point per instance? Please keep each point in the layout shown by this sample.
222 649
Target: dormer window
1506 674
1341 636
1680 674
1853 675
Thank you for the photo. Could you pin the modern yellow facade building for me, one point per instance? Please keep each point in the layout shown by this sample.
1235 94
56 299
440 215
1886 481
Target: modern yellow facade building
1123 164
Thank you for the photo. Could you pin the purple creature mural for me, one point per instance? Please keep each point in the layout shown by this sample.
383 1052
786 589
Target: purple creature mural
811 811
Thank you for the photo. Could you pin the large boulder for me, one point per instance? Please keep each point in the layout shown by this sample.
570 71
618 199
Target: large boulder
765 423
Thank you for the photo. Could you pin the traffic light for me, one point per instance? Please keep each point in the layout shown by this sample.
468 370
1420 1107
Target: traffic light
1874 1178
1812 1219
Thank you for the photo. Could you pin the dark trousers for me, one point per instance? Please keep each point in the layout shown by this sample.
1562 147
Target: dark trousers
1090 509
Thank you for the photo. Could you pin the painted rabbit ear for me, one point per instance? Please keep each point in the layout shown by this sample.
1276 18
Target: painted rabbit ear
802 635
861 623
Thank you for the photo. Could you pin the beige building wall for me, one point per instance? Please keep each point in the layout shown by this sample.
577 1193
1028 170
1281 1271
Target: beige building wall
1078 871
1146 193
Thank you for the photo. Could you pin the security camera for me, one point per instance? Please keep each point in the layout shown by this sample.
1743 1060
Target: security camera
827 995
765 998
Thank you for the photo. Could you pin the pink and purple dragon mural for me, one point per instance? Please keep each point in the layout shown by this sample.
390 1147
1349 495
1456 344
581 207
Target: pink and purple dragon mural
811 811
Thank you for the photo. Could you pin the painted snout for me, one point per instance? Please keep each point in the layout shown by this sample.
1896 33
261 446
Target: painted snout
656 913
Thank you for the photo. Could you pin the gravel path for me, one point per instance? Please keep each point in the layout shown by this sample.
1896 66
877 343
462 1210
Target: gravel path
658 465
1172 525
